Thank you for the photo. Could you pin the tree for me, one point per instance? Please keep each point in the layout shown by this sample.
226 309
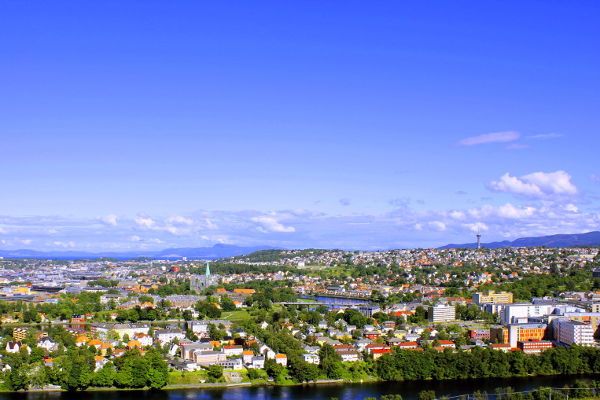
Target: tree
207 309
331 362
158 371
215 333
426 395
302 371
18 378
77 367
106 376
227 304
215 373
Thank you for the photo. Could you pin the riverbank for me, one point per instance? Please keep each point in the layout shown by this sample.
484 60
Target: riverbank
409 390
549 380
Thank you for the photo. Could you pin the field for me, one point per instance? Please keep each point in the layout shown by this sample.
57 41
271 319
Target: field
235 316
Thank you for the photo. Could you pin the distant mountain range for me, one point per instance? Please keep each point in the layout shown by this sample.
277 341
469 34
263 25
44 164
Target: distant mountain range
565 240
202 253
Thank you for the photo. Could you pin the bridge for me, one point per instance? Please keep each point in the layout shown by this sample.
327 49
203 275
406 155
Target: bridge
319 303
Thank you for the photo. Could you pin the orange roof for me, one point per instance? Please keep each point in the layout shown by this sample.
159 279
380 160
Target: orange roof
403 344
248 352
134 343
81 339
98 358
94 342
280 355
105 345
380 351
244 291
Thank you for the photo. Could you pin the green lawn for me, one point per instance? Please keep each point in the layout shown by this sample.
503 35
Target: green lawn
186 377
236 316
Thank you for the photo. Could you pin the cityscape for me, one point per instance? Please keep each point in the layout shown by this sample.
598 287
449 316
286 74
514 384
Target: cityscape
282 317
299 200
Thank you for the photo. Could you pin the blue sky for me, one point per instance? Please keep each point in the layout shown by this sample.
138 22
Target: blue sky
129 124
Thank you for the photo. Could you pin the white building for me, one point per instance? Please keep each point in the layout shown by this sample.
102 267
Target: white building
233 350
442 313
258 362
232 363
206 358
102 329
573 332
522 312
168 335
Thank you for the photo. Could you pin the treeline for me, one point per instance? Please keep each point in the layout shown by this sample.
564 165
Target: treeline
547 284
230 268
485 363
76 370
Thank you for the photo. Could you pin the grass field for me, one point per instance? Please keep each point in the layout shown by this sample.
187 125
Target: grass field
186 377
236 316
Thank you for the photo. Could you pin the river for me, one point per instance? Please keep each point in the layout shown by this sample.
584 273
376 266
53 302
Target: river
335 302
408 390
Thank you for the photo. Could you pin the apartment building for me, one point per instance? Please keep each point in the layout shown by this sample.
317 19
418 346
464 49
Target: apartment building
573 332
442 313
492 297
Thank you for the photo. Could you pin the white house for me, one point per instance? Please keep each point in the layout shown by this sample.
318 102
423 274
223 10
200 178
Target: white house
233 350
312 358
258 362
169 335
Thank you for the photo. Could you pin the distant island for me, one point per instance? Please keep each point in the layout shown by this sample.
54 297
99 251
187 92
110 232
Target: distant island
218 251
192 253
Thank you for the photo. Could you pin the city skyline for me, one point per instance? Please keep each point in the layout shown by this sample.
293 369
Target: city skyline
312 125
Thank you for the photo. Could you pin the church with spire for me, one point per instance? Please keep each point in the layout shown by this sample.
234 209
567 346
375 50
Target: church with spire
201 282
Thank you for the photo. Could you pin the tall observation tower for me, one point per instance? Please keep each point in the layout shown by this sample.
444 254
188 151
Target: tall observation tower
478 240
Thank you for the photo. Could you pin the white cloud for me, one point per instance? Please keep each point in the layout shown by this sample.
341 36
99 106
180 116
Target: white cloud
3 230
25 241
537 184
495 137
545 136
438 225
135 238
180 220
173 230
271 224
110 219
456 214
145 222
558 182
68 244
571 208
418 226
209 224
512 212
477 227
512 184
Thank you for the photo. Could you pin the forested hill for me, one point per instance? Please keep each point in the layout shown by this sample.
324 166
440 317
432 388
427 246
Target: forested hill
588 239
